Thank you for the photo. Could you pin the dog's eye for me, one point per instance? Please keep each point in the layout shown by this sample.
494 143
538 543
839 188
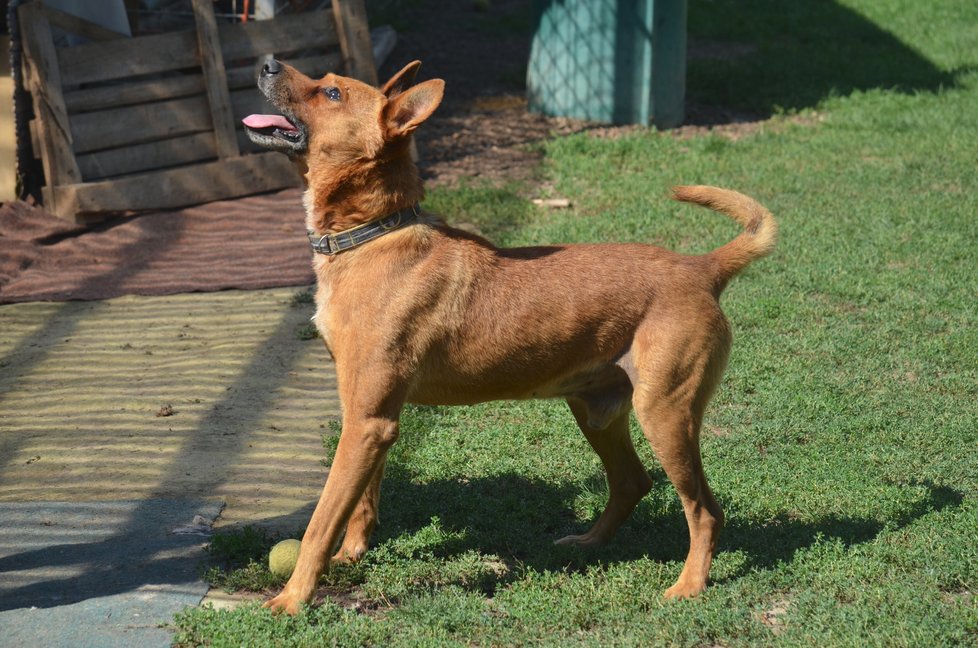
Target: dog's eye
333 94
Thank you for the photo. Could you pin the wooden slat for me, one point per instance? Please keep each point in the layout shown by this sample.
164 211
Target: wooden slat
314 66
215 79
286 34
354 34
35 129
107 129
124 94
144 157
119 59
53 130
161 154
190 185
248 101
128 57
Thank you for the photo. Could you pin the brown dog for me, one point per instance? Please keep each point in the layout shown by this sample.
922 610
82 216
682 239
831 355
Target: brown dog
415 311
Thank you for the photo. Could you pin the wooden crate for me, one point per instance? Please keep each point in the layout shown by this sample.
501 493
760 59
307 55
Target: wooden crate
154 122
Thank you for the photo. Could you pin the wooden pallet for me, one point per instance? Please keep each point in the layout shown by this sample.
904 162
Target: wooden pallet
154 122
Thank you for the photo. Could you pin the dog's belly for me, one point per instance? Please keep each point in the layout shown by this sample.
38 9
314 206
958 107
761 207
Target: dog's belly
606 387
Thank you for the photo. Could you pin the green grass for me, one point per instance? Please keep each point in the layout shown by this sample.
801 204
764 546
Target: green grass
843 442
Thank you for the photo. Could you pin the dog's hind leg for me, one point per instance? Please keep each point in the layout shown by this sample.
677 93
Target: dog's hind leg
362 522
669 404
628 481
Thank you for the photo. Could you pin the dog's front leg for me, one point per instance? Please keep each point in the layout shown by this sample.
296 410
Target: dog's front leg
359 456
362 522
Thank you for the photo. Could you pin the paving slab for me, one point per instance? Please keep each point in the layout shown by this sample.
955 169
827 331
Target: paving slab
111 408
104 573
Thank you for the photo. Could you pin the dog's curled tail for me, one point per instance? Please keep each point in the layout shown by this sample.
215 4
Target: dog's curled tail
760 229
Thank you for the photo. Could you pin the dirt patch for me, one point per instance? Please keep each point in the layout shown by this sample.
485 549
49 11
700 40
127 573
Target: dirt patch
772 617
483 130
492 140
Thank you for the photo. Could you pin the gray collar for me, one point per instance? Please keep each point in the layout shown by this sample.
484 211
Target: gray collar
330 244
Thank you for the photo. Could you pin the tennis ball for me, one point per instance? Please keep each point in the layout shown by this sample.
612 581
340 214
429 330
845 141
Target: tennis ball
282 558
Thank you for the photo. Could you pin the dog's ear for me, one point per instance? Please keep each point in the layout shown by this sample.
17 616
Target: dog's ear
408 110
402 80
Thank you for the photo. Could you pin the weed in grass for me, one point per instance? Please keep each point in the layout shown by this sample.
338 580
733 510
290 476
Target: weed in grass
307 332
301 298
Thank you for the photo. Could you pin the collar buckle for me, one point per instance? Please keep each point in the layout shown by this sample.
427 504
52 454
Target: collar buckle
332 244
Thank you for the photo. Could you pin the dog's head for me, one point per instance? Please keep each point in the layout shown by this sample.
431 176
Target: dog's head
338 120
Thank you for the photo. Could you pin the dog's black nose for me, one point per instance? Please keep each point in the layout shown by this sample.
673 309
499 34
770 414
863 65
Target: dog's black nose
271 67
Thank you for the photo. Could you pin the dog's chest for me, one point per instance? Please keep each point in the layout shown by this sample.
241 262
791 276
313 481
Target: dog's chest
321 318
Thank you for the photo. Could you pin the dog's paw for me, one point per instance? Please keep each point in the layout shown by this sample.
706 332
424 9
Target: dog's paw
585 540
284 602
348 556
683 590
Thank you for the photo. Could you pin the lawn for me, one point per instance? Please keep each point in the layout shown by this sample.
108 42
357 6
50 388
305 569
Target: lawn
843 442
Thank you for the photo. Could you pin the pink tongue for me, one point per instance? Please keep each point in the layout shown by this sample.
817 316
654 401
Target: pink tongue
268 121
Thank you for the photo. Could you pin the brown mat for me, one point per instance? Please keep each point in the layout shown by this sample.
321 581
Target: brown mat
254 242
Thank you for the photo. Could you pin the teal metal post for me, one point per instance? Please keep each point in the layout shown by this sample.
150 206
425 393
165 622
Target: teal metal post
612 61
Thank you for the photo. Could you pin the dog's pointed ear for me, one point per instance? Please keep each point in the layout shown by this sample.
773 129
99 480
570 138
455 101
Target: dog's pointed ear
402 80
406 111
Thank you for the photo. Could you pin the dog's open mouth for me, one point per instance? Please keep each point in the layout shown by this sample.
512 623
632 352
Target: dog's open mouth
276 132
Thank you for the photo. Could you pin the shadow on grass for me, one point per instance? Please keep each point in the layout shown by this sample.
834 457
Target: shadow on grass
518 519
762 56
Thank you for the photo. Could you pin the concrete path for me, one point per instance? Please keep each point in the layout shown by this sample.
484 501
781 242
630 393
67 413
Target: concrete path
129 417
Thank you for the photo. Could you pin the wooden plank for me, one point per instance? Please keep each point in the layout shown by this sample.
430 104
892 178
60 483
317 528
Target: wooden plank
215 78
105 129
79 26
128 57
157 155
35 131
143 157
53 130
314 66
124 94
190 185
354 34
288 33
248 101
